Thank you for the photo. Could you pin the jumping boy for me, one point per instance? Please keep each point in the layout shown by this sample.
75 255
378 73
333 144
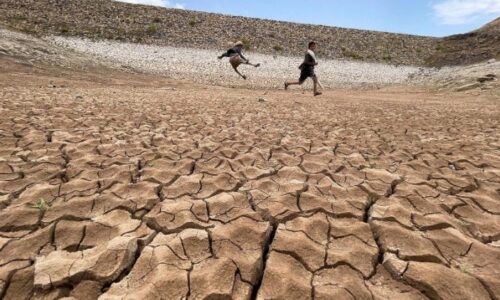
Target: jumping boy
307 69
236 58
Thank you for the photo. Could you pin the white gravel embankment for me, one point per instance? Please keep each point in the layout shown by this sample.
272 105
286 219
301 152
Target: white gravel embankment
203 66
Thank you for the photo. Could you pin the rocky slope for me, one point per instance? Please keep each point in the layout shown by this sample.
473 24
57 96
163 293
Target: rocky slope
481 78
476 46
106 19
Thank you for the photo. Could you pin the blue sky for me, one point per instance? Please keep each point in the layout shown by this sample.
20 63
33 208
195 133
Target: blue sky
421 17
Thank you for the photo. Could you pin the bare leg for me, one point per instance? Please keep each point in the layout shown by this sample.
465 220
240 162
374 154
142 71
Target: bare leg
320 85
315 80
289 83
238 72
253 65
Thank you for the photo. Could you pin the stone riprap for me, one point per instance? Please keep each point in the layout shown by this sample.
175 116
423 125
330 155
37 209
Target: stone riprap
106 19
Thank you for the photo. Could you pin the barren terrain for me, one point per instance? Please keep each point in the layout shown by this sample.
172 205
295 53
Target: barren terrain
201 66
123 186
125 22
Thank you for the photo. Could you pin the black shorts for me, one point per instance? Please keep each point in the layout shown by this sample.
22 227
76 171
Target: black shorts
306 73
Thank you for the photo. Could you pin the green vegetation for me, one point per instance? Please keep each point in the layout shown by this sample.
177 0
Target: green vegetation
18 18
247 45
63 28
41 204
430 60
387 57
350 54
193 22
439 47
277 48
152 29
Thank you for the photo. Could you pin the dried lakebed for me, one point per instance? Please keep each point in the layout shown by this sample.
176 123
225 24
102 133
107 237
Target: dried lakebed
128 188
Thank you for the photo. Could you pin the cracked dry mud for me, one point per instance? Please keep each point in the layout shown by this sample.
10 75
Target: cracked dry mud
110 191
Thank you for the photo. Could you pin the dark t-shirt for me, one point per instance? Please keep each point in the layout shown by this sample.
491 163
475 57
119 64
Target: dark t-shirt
233 51
309 62
307 67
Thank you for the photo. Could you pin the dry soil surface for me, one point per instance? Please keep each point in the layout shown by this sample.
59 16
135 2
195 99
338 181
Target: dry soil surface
119 186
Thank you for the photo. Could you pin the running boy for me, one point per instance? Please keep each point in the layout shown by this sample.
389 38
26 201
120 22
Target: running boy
307 69
236 58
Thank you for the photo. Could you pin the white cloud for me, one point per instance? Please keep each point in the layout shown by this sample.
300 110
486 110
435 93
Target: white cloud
179 6
464 11
164 3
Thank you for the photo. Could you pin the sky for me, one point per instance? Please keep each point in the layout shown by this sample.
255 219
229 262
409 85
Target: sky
421 17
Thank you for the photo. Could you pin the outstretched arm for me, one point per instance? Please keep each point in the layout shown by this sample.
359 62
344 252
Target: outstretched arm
238 50
225 54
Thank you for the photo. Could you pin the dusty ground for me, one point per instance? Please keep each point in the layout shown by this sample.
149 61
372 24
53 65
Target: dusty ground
127 186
